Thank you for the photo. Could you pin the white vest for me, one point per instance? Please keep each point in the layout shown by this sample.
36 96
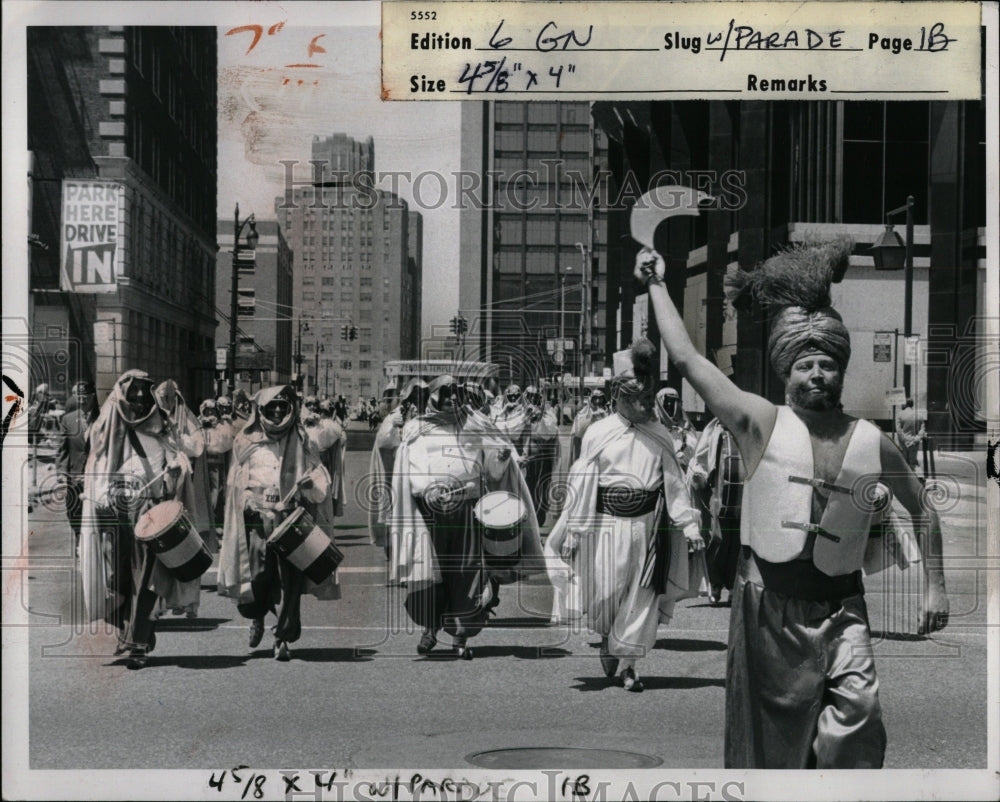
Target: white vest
777 498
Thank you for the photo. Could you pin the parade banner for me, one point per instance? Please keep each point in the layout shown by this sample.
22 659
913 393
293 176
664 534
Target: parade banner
91 216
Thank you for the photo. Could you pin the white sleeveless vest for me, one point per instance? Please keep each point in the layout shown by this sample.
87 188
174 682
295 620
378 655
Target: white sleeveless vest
777 498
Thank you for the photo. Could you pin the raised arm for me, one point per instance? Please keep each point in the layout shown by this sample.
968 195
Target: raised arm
905 486
748 416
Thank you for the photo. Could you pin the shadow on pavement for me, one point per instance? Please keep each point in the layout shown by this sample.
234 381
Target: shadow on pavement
525 622
487 651
650 683
195 661
334 655
182 624
690 645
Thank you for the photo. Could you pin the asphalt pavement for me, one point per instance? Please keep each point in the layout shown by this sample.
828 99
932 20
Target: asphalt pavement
357 695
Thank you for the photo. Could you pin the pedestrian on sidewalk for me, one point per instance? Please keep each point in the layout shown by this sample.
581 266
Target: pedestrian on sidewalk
628 527
801 687
274 470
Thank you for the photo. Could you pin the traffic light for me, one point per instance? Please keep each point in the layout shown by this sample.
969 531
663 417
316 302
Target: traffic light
454 325
463 325
354 332
345 332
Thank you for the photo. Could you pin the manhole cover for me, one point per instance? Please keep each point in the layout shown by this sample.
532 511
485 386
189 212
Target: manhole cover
561 757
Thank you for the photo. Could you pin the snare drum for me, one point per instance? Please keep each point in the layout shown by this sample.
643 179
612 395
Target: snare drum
167 531
300 541
501 515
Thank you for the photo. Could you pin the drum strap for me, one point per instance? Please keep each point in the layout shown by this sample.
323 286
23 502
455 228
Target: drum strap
138 449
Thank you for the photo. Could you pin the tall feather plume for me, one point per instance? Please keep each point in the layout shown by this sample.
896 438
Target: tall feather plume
797 276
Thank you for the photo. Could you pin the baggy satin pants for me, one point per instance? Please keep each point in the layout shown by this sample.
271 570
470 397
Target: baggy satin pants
801 689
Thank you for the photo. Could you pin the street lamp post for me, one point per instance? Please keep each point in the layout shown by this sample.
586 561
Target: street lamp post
298 356
252 238
584 312
891 253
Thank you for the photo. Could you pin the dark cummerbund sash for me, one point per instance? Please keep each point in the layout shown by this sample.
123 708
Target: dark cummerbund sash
798 579
626 502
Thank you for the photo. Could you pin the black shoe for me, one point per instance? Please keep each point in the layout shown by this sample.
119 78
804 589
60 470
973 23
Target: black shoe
256 632
281 651
152 642
494 601
427 642
136 660
463 651
630 682
608 661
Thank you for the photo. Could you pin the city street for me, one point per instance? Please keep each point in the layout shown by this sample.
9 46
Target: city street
356 694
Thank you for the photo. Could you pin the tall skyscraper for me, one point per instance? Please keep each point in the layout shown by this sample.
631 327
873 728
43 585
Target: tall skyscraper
357 272
122 132
539 241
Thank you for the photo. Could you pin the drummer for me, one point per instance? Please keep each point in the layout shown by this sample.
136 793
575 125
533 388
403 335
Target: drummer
133 465
186 434
442 469
272 469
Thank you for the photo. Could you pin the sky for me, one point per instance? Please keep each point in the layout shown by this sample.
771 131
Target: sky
266 116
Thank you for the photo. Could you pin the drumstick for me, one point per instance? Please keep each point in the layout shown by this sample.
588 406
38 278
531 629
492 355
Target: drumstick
293 491
151 482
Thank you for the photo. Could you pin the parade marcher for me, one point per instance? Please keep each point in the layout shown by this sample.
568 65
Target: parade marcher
218 434
328 440
242 408
133 464
441 471
186 433
539 449
801 686
715 475
671 415
628 526
594 410
224 406
412 399
81 412
272 468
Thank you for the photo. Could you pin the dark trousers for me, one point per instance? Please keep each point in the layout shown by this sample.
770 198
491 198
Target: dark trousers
723 554
129 566
538 475
74 504
276 584
454 603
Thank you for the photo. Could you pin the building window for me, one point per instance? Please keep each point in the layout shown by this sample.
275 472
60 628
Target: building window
886 158
346 364
364 364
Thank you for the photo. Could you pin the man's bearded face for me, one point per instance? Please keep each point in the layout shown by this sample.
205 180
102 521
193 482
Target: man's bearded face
637 408
815 382
139 398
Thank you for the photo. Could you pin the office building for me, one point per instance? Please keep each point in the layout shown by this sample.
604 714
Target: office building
122 134
537 239
792 171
